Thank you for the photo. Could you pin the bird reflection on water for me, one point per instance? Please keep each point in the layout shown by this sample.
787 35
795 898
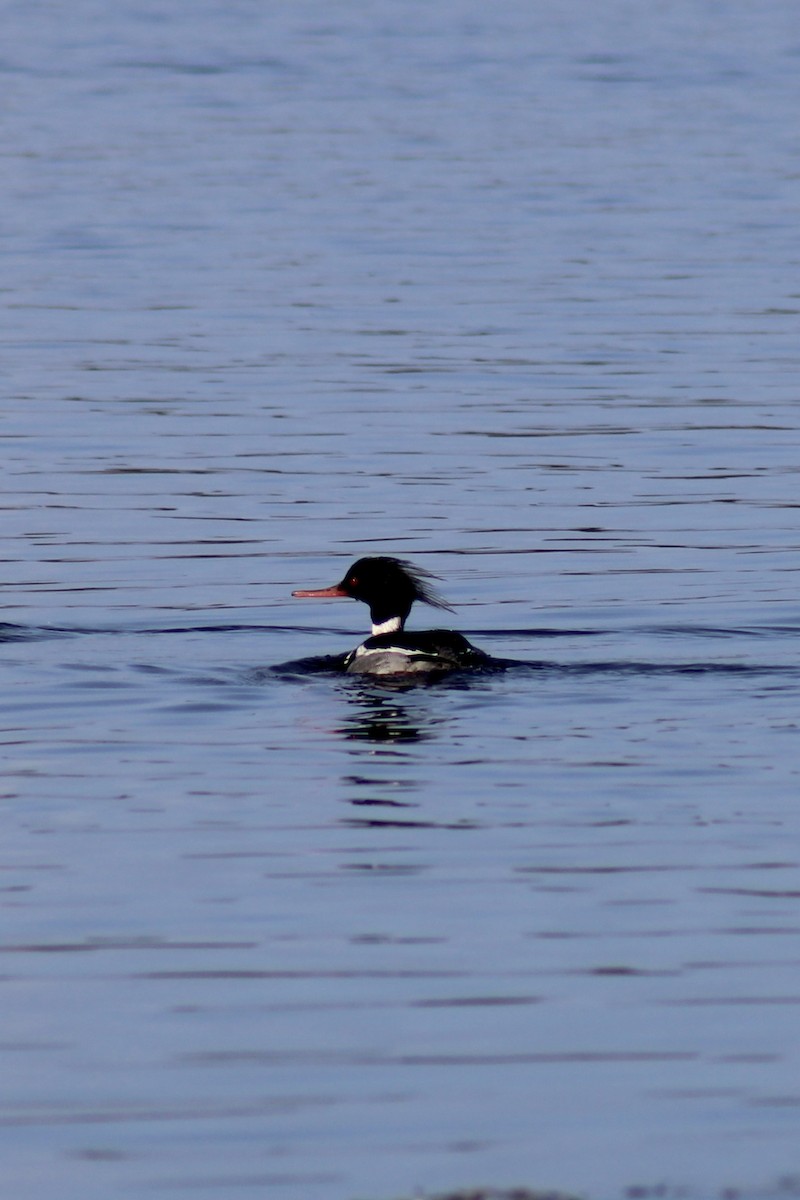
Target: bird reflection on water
383 718
382 796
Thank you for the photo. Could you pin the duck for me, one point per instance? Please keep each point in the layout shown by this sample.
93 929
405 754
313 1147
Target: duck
390 586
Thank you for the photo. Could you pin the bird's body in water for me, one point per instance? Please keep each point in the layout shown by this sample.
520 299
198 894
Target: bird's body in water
390 586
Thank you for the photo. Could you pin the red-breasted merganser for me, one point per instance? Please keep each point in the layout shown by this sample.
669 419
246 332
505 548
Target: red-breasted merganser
390 586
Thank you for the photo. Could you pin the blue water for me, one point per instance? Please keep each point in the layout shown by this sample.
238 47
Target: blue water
511 291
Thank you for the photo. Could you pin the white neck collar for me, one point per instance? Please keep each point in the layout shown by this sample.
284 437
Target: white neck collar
391 626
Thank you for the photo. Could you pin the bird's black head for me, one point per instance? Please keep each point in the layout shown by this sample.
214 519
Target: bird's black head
388 585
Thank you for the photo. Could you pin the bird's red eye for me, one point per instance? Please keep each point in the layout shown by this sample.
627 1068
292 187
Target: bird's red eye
353 581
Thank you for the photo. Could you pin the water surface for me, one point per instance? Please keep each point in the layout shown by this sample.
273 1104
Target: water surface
511 292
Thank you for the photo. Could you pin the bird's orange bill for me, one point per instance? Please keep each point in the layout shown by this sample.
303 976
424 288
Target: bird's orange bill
322 593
